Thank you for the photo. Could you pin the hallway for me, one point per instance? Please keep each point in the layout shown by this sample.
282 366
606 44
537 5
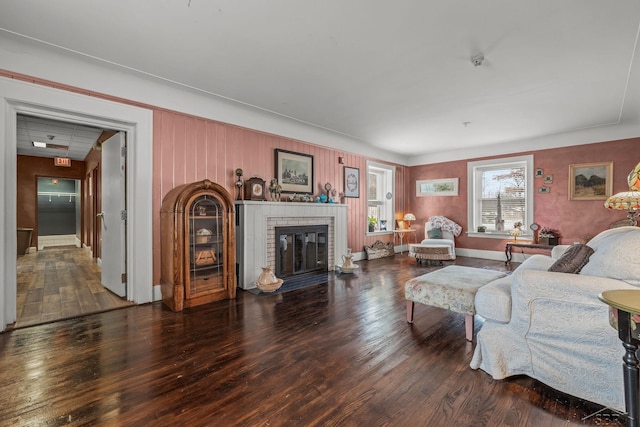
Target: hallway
60 282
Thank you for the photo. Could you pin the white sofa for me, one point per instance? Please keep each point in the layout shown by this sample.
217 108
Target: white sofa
552 326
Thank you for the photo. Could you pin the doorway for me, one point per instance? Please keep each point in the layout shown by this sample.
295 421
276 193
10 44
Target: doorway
57 280
59 211
18 97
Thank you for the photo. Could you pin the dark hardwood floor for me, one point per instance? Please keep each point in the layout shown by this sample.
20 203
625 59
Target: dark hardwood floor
340 354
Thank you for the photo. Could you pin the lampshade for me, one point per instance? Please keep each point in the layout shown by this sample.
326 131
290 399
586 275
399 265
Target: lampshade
628 200
409 217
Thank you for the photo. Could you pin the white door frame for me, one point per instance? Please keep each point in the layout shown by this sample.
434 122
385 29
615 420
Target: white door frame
22 97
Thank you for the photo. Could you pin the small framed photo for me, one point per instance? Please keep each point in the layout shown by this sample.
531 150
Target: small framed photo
591 181
544 189
351 182
539 173
548 179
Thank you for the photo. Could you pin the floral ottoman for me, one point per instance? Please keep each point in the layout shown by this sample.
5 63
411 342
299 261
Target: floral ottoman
453 288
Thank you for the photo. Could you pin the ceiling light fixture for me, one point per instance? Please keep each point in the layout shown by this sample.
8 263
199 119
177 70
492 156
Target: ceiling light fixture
477 59
39 144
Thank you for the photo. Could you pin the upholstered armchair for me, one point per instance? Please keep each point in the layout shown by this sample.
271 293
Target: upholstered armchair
439 240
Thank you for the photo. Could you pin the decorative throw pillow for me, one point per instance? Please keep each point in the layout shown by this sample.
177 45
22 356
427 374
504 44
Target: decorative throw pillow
434 233
573 259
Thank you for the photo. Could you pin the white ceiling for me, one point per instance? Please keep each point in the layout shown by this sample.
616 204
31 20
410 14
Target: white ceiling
71 140
396 75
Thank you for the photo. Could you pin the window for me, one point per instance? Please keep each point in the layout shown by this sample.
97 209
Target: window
500 195
380 197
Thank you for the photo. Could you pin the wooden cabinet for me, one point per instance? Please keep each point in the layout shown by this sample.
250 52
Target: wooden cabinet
197 245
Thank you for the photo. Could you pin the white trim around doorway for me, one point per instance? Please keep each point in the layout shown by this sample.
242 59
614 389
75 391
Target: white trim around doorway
17 97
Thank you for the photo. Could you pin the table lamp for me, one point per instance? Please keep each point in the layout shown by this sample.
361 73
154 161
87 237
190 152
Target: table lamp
628 200
409 217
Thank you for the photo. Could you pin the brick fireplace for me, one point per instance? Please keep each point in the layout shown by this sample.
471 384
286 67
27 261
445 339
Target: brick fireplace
256 224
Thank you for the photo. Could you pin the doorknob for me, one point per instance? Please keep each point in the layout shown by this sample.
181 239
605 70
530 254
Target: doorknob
100 215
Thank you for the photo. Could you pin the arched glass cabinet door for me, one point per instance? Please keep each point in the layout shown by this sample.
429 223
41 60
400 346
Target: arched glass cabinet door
206 246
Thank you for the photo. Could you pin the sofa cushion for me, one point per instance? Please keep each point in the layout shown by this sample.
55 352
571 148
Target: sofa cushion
573 259
493 300
434 233
536 262
616 255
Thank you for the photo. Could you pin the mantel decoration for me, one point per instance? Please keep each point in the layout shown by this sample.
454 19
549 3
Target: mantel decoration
239 182
275 190
254 189
294 171
628 200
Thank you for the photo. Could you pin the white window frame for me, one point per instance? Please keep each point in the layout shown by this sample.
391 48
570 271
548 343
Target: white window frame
389 172
474 170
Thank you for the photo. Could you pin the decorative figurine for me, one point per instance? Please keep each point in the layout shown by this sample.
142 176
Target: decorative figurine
275 190
328 187
239 183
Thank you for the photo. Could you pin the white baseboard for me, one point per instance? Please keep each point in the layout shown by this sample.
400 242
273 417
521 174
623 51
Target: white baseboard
157 293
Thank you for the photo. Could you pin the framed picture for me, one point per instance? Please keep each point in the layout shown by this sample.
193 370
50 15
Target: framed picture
544 189
548 179
294 171
590 181
351 182
539 173
437 187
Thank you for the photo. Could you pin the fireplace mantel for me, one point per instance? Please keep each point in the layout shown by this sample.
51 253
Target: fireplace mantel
255 235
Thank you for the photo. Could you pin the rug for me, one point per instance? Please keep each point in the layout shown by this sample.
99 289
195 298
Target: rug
294 283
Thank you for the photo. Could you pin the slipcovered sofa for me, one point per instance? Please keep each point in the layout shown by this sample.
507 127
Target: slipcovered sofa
551 326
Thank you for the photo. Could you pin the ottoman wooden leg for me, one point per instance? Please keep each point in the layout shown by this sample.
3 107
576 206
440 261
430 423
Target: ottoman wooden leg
468 325
410 311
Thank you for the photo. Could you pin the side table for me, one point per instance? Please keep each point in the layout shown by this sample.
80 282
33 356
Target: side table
510 245
624 308
400 232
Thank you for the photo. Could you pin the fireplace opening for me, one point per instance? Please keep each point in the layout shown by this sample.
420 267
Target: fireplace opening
301 250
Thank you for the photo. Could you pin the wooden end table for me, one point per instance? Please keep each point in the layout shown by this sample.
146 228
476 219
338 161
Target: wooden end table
624 308
510 245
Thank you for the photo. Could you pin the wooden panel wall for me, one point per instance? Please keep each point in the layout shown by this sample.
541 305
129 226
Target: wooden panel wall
188 149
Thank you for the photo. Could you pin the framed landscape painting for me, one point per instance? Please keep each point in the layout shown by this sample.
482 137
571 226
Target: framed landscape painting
590 181
437 187
294 171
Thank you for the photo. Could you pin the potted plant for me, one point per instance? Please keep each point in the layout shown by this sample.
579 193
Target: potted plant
549 236
373 221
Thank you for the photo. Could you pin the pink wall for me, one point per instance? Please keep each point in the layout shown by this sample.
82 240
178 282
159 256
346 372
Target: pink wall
575 219
188 148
